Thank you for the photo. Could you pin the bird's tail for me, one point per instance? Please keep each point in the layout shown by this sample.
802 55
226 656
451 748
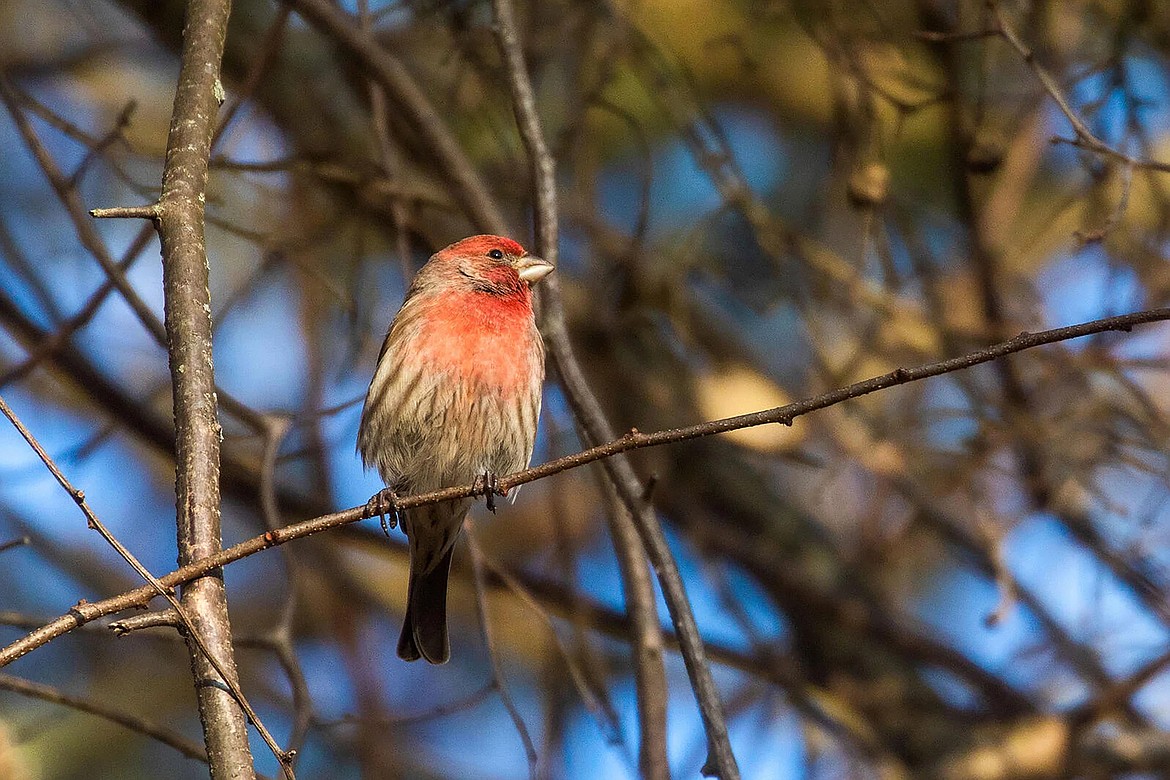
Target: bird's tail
433 531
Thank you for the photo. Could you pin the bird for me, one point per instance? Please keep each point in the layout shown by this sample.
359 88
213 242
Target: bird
455 399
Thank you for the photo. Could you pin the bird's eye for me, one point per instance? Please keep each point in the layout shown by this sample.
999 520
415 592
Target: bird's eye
496 254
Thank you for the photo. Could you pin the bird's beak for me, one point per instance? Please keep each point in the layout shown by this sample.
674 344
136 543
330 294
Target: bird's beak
532 269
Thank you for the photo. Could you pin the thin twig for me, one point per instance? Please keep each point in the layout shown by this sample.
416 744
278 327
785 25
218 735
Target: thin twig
589 698
1085 138
95 146
99 145
85 611
473 699
48 693
498 682
167 592
87 234
636 531
64 332
19 541
149 211
280 637
645 634
411 101
91 239
386 153
269 49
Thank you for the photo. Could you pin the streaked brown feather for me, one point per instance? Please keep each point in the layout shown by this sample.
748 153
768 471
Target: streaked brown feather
456 393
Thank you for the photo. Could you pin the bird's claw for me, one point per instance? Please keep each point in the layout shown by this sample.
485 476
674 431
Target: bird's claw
382 503
489 485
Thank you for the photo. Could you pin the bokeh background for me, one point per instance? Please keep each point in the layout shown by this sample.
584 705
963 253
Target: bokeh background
961 578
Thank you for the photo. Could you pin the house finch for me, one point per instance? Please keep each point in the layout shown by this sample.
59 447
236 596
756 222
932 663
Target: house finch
455 399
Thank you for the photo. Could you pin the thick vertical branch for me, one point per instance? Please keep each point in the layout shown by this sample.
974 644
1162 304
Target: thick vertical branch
180 216
720 759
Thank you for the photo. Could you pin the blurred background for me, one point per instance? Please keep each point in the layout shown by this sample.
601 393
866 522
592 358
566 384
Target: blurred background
959 578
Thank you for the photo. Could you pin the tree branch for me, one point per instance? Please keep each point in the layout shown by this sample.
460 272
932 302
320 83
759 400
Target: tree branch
34 690
633 526
408 97
1085 138
84 611
188 324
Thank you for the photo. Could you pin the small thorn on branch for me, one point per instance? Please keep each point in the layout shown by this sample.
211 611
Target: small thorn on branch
126 212
11 543
166 618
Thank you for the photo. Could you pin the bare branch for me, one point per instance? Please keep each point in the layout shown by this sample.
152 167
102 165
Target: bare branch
126 212
48 693
498 683
1085 138
188 325
85 611
634 519
469 187
177 614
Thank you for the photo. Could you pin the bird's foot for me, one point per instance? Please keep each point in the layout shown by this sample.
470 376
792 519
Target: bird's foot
384 502
489 485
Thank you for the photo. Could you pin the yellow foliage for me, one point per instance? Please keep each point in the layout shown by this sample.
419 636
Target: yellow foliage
12 763
737 390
